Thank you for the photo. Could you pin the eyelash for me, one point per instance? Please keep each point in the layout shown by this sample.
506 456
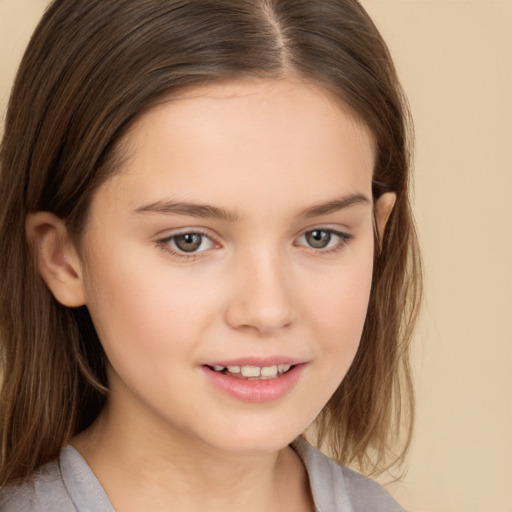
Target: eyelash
343 240
165 243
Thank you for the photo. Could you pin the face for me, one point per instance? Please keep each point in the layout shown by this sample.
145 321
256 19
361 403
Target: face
228 264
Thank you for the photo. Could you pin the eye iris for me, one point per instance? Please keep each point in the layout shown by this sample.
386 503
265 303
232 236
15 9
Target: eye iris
318 238
188 242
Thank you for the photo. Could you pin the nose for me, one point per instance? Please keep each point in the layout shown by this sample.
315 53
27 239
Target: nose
261 300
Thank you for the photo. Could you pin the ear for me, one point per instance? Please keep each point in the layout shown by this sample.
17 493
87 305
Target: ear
382 210
57 259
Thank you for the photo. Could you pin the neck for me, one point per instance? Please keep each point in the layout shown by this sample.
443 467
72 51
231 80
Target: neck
140 468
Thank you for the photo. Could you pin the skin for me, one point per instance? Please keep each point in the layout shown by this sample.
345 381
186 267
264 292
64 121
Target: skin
265 152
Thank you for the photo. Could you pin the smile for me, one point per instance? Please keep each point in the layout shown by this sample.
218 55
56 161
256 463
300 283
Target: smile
253 372
252 383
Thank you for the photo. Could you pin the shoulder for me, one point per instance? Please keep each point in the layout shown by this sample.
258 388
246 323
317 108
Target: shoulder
43 492
366 493
335 487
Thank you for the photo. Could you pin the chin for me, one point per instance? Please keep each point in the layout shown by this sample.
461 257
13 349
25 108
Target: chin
254 440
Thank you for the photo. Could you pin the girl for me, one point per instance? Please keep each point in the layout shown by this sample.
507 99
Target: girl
207 247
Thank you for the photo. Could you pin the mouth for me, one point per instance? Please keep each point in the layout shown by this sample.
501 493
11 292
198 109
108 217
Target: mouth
253 380
250 372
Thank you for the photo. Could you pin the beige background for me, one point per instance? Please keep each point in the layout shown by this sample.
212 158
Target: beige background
455 60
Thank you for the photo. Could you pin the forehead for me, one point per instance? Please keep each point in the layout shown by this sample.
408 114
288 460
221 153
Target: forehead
277 102
278 138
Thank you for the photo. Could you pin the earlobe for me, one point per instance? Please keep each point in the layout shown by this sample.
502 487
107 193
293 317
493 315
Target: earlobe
58 262
382 210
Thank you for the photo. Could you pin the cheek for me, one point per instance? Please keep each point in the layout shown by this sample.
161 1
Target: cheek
339 306
141 308
145 329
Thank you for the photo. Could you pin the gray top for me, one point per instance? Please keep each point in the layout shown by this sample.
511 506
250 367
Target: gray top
69 485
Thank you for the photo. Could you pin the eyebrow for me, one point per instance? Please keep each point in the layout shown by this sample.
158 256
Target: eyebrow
207 211
335 205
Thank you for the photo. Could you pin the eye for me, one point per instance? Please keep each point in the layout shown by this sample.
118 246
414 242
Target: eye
324 239
192 242
318 238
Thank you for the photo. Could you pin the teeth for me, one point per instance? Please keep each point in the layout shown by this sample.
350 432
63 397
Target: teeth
250 371
269 371
255 371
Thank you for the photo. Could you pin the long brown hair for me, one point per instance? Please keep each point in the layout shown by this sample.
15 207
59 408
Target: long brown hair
91 69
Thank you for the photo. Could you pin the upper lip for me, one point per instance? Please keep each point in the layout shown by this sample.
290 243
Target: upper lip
257 361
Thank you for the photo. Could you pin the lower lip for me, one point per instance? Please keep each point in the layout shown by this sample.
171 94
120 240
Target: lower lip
255 391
